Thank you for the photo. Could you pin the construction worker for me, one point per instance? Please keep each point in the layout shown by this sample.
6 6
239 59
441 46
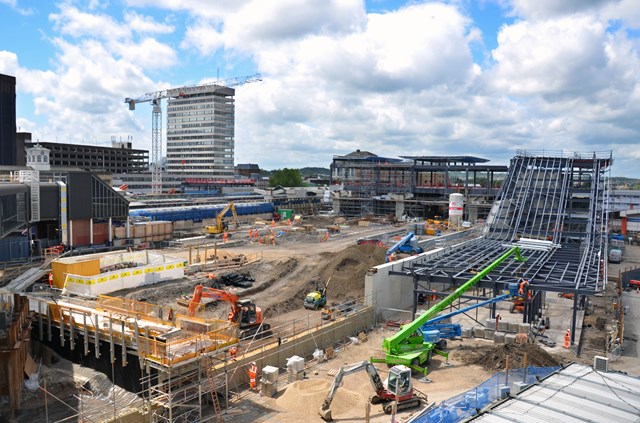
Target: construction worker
326 236
522 287
253 374
433 297
250 233
50 279
233 351
567 339
273 223
225 237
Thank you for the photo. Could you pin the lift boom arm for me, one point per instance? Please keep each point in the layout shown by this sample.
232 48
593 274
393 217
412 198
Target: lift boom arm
406 240
471 307
390 345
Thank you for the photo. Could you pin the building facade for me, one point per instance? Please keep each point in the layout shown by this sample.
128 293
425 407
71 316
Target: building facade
200 134
7 120
119 158
416 186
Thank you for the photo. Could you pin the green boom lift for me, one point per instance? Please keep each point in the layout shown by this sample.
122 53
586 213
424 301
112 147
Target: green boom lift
408 346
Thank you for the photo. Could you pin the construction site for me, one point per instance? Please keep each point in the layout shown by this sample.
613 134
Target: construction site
326 318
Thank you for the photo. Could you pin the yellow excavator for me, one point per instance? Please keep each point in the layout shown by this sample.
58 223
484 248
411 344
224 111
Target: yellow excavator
221 225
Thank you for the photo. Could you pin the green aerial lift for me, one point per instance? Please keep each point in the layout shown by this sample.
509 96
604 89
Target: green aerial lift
408 346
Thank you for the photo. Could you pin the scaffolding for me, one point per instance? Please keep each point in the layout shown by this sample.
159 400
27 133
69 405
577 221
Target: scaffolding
373 185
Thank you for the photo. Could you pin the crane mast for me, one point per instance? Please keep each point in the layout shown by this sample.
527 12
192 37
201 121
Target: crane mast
156 116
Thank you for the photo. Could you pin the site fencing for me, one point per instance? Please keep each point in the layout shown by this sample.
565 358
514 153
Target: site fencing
469 403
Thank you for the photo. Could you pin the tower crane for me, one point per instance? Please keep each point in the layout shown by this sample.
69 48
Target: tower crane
156 116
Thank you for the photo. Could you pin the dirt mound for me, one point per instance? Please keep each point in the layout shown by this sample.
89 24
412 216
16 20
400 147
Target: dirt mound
304 397
493 358
346 269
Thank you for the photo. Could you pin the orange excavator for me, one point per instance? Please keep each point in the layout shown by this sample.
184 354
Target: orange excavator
245 313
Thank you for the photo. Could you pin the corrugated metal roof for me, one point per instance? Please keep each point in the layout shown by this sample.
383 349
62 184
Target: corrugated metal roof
576 393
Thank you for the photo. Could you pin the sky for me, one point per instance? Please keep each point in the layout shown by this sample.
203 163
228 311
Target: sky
485 78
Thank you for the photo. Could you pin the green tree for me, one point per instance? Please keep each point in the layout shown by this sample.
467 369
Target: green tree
286 178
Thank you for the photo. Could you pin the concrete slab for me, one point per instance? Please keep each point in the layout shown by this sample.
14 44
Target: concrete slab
498 337
510 338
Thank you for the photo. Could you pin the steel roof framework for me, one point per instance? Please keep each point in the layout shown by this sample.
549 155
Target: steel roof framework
554 205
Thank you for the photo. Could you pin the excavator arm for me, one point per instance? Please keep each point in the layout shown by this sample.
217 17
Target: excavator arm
219 227
325 409
202 291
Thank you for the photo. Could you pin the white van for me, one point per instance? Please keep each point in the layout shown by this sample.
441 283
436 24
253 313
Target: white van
615 255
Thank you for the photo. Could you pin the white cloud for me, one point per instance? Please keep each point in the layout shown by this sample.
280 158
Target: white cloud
378 87
148 54
561 57
75 23
204 36
274 21
146 24
400 82
200 8
543 9
14 5
625 11
579 80
8 62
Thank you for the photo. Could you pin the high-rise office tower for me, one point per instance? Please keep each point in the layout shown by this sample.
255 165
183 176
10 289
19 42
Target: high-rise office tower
7 120
200 134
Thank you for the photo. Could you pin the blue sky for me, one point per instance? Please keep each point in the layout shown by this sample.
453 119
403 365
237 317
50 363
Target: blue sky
483 78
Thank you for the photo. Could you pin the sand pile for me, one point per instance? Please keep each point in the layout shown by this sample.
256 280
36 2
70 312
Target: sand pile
304 397
495 357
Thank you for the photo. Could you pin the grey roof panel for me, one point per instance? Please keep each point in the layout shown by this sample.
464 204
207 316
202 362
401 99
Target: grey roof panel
575 394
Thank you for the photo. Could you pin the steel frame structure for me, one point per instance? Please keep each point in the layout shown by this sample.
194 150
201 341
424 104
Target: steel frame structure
554 206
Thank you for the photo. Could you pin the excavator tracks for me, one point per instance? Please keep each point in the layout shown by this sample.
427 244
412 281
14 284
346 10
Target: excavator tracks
404 405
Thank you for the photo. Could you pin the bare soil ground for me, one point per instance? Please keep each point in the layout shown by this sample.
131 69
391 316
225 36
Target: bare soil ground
301 400
290 269
287 271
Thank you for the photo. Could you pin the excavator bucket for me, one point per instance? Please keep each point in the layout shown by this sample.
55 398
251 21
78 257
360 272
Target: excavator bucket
325 414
